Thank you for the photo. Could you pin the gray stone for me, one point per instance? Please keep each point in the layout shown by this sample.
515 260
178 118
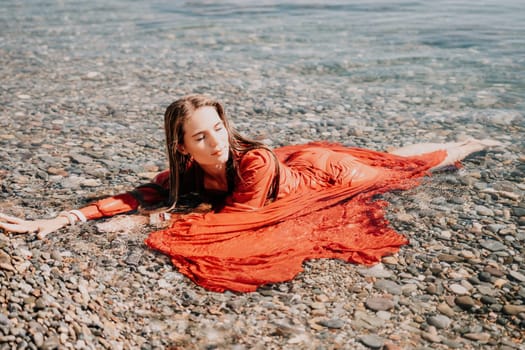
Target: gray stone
458 289
517 276
378 303
495 228
487 299
433 338
4 320
333 323
388 286
492 245
439 321
372 341
38 338
452 343
378 271
482 210
518 211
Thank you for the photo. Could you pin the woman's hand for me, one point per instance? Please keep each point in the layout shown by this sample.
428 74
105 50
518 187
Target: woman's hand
41 227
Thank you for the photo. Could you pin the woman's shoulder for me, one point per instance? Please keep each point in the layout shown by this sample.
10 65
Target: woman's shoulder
257 156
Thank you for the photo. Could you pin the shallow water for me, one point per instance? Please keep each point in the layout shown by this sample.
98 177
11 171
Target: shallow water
446 55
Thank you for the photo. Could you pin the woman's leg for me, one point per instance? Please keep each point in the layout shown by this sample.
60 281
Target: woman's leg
455 150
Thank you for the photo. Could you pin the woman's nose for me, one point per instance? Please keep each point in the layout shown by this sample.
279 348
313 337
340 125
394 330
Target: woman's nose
213 140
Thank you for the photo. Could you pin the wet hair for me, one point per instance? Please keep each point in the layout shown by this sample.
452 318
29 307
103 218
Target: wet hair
185 175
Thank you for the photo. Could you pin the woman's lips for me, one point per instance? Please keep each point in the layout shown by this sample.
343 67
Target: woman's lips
218 152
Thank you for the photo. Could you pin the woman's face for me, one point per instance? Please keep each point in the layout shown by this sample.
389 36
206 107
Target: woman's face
206 138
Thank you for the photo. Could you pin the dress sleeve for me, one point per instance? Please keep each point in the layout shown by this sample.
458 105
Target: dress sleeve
148 194
257 171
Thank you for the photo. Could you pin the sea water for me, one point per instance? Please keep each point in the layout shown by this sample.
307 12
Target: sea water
452 54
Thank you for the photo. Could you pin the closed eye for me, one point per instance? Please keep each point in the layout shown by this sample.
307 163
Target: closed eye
219 126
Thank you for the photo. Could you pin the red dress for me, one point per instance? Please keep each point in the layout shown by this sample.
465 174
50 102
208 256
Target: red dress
324 210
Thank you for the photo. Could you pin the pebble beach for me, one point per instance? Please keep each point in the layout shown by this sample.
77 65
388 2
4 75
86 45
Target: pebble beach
84 88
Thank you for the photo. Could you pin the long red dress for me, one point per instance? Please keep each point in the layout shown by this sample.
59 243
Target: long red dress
324 209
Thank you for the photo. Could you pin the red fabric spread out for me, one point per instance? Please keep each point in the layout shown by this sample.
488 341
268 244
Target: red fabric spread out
326 211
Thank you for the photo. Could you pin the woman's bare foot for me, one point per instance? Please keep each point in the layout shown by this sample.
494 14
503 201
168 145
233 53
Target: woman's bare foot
457 151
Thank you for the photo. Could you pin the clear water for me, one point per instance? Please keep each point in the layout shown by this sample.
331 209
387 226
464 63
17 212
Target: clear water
448 54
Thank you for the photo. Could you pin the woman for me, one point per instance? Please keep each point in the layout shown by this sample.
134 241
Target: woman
271 209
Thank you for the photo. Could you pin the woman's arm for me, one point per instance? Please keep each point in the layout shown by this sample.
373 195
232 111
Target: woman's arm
257 168
41 227
146 195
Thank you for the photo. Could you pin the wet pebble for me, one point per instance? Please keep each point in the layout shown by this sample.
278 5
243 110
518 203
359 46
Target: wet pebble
439 321
513 309
379 304
332 323
465 302
517 276
492 245
388 286
372 341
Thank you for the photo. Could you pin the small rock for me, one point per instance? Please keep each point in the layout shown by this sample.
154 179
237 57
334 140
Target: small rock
439 321
80 158
500 282
434 289
513 309
481 337
476 227
482 210
372 341
4 320
449 258
377 271
7 267
56 255
51 343
433 338
388 286
452 343
458 289
379 304
495 228
390 260
384 315
517 276
485 276
445 235
92 75
4 258
518 211
333 323
38 338
40 303
465 302
494 271
492 245
486 299
90 183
